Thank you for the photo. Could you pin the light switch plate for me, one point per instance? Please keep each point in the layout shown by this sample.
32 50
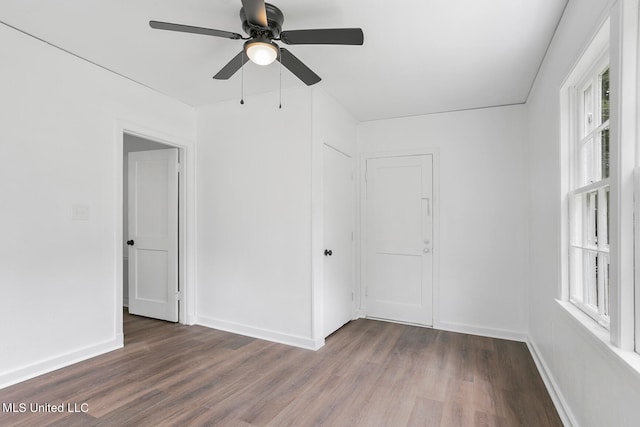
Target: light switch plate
80 212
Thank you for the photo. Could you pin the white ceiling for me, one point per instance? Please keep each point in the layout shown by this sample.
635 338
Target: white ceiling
418 57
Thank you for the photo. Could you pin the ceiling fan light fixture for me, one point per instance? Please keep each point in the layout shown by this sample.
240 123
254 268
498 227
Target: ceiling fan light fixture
262 22
261 51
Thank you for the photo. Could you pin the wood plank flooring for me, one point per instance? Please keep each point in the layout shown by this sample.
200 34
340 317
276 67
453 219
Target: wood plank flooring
369 373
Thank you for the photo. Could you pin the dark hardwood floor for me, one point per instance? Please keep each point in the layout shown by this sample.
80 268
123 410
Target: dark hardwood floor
369 373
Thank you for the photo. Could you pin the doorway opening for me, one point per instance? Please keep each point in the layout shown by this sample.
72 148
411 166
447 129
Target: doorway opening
153 228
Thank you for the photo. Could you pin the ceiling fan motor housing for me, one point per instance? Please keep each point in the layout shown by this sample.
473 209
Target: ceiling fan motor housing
275 18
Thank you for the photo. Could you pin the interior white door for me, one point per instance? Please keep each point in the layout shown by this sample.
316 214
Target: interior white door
153 233
399 238
338 239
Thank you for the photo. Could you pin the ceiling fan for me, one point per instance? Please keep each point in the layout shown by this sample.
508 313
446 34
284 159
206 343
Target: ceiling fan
263 24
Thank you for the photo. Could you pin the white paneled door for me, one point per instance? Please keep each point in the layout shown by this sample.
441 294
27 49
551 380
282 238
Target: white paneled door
338 235
398 240
153 234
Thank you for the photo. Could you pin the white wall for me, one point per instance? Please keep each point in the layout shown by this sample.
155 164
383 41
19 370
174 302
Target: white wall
260 213
254 217
596 388
483 213
333 124
59 278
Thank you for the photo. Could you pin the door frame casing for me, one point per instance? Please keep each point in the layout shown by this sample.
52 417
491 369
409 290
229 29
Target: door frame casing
363 157
186 217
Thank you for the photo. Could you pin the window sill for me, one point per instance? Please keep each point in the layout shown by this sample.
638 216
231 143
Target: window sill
599 336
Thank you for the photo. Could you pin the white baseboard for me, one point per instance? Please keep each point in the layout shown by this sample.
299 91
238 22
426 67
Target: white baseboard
45 366
192 320
360 313
504 334
567 417
263 334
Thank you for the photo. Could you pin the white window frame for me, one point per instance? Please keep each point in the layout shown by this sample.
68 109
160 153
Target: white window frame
625 157
633 32
624 122
584 249
622 30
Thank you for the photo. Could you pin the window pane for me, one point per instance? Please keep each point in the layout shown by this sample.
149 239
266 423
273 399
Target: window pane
587 108
590 277
576 280
604 150
586 162
591 217
604 94
606 215
577 212
605 283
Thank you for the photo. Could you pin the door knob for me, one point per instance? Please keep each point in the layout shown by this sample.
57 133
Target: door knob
328 252
426 250
130 242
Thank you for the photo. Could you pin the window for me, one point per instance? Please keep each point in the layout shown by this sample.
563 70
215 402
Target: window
599 120
600 151
589 193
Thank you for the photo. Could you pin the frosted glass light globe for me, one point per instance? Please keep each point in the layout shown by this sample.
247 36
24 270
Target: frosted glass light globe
261 53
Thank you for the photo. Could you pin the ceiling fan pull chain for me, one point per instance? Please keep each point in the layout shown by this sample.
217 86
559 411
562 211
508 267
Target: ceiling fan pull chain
280 53
242 80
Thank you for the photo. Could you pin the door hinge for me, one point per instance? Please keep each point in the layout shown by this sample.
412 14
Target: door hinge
178 295
352 295
352 236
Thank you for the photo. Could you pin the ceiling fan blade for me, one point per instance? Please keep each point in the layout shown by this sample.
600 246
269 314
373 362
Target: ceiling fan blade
256 12
232 66
296 66
345 36
195 30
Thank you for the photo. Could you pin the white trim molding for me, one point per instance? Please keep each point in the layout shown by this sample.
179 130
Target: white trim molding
623 104
260 333
567 417
48 365
482 331
187 222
